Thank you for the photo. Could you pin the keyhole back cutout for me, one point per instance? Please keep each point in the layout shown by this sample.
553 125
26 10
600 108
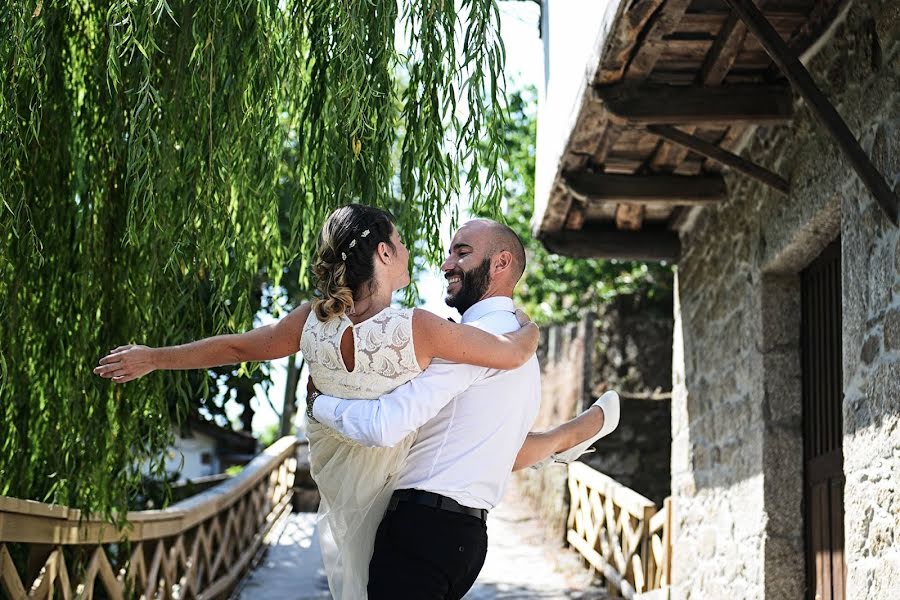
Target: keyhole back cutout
348 349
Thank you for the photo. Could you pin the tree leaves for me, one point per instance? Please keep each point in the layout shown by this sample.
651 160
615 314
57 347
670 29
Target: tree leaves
143 175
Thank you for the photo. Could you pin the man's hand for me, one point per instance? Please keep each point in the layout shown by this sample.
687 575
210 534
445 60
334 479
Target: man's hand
310 388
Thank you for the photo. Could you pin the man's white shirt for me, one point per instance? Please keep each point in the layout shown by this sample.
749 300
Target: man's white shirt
471 421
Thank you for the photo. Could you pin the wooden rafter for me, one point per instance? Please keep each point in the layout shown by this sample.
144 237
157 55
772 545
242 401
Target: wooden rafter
647 104
630 216
575 218
722 156
651 189
724 51
717 63
652 46
630 21
794 70
664 21
610 243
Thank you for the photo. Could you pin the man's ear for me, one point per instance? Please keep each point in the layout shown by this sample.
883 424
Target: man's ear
503 261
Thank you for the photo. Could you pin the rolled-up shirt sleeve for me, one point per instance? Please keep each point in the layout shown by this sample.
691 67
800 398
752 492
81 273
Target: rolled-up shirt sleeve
386 421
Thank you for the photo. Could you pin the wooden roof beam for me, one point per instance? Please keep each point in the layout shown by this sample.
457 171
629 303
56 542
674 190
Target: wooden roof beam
650 48
722 156
650 190
622 245
717 63
794 70
659 104
724 51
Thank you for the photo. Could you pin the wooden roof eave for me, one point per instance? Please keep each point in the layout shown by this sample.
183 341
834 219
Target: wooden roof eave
623 102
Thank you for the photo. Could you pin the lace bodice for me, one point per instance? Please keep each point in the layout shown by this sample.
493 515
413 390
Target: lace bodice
383 349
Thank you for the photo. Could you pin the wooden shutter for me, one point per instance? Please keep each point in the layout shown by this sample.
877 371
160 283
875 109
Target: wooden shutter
823 426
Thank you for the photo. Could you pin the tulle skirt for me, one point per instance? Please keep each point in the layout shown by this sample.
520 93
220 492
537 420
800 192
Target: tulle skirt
355 483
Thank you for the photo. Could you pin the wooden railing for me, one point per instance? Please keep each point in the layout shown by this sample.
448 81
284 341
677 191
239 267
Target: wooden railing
622 534
197 548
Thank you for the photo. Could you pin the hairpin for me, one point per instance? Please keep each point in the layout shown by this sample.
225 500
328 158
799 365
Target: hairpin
353 244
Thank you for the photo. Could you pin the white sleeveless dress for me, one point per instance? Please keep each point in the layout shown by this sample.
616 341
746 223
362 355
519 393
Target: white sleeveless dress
355 481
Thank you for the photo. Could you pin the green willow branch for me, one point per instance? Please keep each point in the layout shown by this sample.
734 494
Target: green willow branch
150 153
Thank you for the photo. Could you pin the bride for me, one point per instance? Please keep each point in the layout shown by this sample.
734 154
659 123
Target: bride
357 346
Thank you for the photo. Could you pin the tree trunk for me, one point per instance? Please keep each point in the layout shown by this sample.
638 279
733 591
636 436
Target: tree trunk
290 395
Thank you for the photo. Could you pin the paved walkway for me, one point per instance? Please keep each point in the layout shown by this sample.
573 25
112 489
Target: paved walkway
520 564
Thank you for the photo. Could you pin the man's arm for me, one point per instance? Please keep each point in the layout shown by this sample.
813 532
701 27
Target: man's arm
386 421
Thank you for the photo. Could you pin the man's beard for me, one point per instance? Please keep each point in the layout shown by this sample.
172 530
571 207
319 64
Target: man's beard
472 286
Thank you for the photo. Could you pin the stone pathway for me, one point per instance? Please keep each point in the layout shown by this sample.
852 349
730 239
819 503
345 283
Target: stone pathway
521 563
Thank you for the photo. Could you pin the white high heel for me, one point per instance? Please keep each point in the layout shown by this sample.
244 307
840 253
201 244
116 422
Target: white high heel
609 404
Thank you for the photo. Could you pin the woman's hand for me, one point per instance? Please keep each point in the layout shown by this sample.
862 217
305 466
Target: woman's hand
126 363
530 333
523 318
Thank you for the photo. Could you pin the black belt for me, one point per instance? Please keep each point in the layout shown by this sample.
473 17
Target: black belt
435 501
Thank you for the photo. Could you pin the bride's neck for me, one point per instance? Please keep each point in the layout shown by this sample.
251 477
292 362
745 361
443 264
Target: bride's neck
365 307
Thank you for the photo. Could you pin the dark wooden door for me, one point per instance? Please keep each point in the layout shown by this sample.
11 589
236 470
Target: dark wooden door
823 496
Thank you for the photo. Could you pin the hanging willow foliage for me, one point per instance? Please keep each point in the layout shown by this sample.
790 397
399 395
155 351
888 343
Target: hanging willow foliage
141 149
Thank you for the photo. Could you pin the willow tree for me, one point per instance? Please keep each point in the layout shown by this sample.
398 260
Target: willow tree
141 152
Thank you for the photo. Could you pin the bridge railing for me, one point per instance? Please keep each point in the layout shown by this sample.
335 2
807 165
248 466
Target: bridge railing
622 534
196 548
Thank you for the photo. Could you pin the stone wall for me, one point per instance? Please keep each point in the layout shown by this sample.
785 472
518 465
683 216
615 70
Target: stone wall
633 355
565 381
736 419
626 347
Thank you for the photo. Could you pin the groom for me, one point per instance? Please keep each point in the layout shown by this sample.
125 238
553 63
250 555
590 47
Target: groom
471 422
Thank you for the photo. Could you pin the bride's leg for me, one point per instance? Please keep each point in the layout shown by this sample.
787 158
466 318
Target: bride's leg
540 445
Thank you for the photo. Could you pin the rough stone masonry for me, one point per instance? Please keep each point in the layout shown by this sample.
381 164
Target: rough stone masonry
737 472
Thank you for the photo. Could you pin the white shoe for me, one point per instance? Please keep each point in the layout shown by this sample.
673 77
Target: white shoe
609 404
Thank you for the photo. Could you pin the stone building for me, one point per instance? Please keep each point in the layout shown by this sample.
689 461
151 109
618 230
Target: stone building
786 354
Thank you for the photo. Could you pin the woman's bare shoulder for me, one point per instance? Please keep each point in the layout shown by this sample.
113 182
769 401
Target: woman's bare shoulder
295 321
424 319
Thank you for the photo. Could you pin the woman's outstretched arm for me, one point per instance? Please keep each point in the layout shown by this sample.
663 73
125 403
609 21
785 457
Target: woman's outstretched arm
270 342
435 337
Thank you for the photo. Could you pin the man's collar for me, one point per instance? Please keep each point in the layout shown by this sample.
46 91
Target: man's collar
488 305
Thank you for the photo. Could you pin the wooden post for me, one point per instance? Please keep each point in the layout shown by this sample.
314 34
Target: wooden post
645 552
794 70
667 542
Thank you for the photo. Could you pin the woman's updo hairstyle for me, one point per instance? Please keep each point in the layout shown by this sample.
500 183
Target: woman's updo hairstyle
345 256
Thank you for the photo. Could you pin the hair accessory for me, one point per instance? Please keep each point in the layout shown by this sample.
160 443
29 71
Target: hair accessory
353 244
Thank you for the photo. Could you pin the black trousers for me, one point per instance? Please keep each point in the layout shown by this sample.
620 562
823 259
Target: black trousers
426 553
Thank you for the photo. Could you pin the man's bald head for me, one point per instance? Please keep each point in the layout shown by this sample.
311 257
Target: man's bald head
501 237
486 259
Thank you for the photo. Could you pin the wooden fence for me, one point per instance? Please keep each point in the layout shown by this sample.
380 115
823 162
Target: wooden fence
197 548
622 534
